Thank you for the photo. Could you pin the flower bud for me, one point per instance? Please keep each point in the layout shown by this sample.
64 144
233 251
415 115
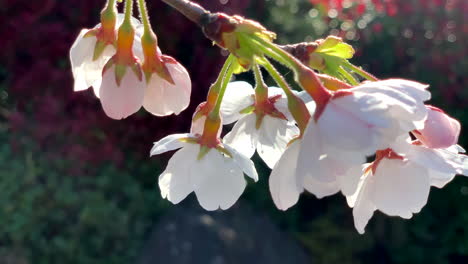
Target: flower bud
440 130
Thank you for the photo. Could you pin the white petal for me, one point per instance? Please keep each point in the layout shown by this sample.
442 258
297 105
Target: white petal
283 183
121 101
244 163
319 188
458 161
400 188
163 98
238 96
218 182
353 123
406 99
174 182
87 72
321 161
349 181
411 88
168 143
433 159
243 136
439 179
282 103
363 208
273 138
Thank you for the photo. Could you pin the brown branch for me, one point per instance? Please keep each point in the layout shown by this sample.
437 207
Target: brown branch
190 10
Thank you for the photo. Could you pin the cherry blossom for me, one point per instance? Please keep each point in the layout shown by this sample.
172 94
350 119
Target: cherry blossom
353 125
216 178
164 98
120 100
87 70
266 127
398 182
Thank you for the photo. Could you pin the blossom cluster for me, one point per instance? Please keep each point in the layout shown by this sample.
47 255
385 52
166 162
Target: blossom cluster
376 141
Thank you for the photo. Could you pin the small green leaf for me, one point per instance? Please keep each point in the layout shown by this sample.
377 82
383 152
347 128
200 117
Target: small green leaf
335 46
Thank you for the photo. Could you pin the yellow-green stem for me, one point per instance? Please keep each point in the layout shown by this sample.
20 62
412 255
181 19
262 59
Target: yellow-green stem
144 17
351 80
222 90
360 71
261 90
128 11
278 78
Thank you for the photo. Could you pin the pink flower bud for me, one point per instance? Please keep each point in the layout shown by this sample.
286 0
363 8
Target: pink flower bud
440 130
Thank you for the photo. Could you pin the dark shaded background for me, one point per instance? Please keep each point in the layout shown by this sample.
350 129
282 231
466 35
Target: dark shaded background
78 187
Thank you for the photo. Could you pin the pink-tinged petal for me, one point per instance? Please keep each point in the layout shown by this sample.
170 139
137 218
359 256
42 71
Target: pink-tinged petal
283 182
273 138
198 126
243 136
175 183
163 98
217 180
400 188
440 130
169 143
238 96
121 101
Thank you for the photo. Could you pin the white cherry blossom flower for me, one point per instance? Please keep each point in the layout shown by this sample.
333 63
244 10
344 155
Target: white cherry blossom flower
163 98
87 71
354 124
398 182
120 100
217 178
266 128
168 87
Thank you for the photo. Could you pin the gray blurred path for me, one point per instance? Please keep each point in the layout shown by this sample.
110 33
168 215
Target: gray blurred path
190 235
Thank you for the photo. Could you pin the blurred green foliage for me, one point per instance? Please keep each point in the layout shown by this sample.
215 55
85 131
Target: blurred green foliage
48 216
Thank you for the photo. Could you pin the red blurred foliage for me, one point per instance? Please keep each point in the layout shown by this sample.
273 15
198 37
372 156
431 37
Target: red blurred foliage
36 38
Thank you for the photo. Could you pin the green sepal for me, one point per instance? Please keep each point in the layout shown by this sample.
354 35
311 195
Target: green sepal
136 68
247 110
223 150
165 74
259 120
237 67
203 151
108 65
99 49
188 140
120 71
91 33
